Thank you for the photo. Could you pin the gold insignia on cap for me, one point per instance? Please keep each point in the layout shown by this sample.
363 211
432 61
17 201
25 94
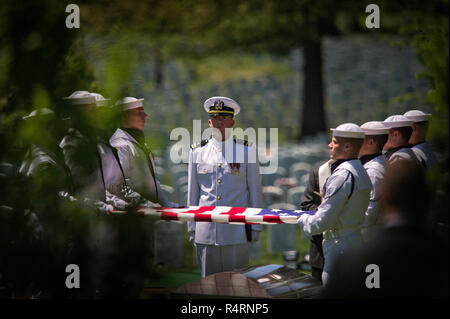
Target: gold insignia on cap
218 105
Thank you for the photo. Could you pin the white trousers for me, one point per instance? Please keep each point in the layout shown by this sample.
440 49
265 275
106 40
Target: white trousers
213 259
334 248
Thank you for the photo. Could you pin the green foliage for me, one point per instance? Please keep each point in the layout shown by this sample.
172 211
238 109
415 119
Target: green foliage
428 29
41 232
233 67
432 47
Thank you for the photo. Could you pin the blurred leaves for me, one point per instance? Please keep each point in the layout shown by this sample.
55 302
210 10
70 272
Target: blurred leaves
40 231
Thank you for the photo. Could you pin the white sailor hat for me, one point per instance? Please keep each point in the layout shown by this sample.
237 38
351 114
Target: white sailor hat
374 128
129 103
100 100
417 116
38 112
221 105
80 98
397 121
348 130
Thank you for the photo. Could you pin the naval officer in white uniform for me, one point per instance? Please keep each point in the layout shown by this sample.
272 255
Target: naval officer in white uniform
340 215
370 155
418 143
397 145
223 172
135 157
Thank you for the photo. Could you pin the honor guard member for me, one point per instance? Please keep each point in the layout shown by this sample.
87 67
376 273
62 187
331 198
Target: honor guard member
370 155
223 171
340 216
135 156
398 246
311 199
81 153
88 153
43 152
111 169
118 193
399 132
417 141
44 158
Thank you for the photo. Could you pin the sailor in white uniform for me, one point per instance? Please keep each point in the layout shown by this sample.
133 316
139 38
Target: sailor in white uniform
41 156
81 152
136 159
374 162
418 143
397 146
340 216
311 199
223 171
112 171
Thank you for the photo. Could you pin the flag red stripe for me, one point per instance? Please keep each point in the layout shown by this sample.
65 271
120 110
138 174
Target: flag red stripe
202 217
236 219
169 216
235 210
272 219
200 210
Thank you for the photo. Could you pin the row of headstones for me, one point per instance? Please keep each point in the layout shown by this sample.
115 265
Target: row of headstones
274 195
297 172
169 238
353 61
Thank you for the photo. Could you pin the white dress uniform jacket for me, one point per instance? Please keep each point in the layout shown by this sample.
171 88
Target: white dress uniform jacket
375 169
211 182
91 185
112 176
340 216
34 158
401 153
135 165
425 154
87 178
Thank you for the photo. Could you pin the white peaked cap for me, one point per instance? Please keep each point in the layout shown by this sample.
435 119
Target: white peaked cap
348 130
221 105
129 103
38 112
80 98
397 121
100 100
374 128
417 116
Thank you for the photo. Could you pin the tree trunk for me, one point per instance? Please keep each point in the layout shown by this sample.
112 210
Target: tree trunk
158 77
313 117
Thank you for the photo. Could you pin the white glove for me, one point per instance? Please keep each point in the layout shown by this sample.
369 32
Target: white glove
66 195
301 220
149 204
301 223
191 235
101 206
115 201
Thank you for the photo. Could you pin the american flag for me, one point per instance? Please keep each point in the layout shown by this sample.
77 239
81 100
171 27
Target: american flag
226 214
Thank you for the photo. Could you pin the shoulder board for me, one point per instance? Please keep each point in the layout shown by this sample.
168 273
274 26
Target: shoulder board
242 142
202 143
